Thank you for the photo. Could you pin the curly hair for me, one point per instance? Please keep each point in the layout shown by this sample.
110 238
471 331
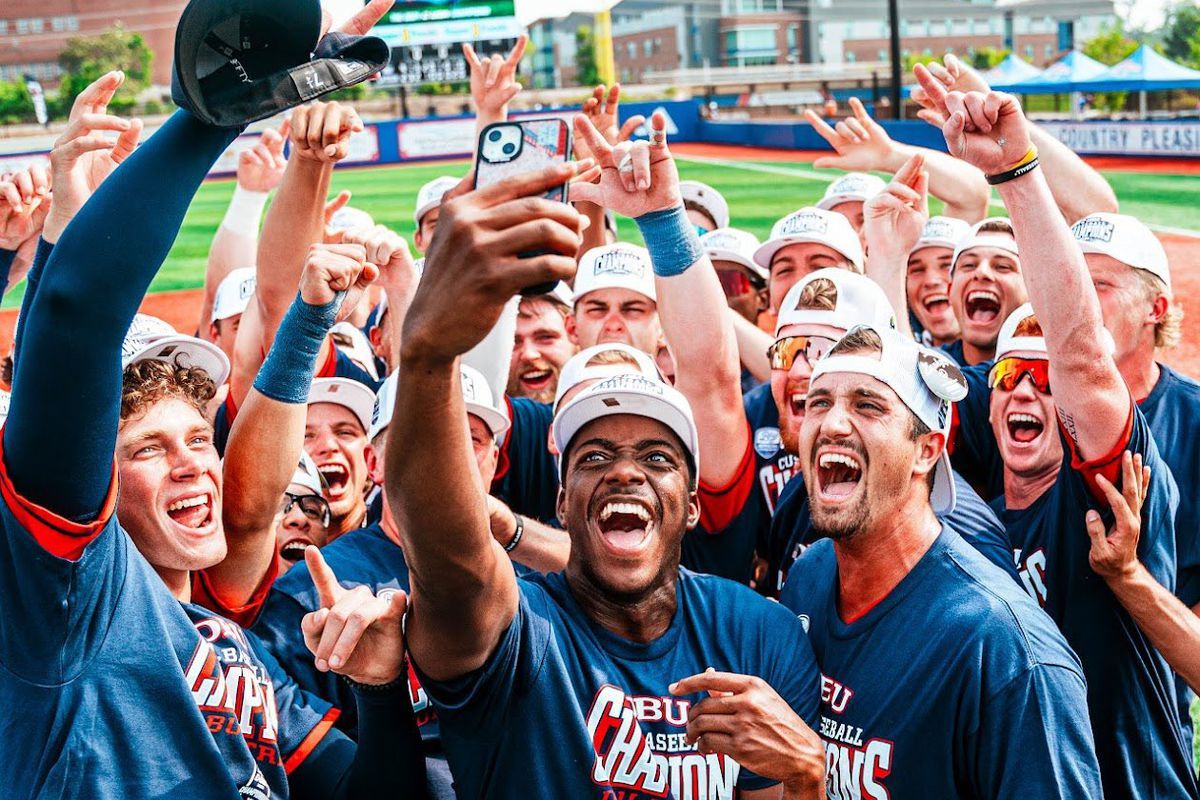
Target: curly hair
147 382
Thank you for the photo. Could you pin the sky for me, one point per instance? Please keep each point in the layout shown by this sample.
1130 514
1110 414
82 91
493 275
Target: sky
1143 13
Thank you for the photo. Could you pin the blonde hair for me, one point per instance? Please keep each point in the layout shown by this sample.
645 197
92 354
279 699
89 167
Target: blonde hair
1169 329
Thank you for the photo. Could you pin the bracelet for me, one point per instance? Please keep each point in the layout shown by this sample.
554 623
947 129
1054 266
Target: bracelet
1014 173
379 688
672 241
516 539
1030 155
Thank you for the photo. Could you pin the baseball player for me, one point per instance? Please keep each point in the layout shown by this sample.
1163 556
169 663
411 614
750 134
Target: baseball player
1008 714
986 285
614 299
1055 445
425 217
847 195
706 208
541 346
229 303
556 653
927 281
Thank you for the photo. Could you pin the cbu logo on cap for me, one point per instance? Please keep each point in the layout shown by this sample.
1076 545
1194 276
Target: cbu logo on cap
468 388
630 382
1093 229
247 287
804 222
938 229
619 262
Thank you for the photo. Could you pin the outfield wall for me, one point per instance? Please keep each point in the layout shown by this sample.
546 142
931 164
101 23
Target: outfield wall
415 139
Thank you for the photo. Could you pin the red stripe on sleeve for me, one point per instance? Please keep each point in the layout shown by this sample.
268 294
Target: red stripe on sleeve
311 741
719 505
56 535
243 614
1108 465
329 368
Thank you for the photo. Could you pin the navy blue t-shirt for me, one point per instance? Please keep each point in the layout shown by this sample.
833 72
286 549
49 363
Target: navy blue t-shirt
114 689
528 479
563 708
974 451
1131 691
955 685
791 530
955 351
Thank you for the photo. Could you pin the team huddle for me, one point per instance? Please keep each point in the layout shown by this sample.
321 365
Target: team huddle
889 505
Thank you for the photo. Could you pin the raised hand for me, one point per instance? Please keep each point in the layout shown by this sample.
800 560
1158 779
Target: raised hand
84 156
604 113
635 177
333 268
861 143
987 130
473 268
1113 555
355 633
893 219
260 166
361 23
387 250
24 203
745 719
954 75
321 131
494 79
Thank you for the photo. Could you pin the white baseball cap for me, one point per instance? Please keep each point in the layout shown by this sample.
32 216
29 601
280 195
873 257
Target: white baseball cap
942 232
738 246
974 238
629 394
346 393
814 225
615 266
578 368
151 339
234 293
430 195
858 301
1030 341
359 350
348 217
851 187
478 397
1126 239
306 474
708 199
926 380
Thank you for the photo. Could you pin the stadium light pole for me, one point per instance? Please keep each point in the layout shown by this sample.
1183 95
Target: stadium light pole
894 22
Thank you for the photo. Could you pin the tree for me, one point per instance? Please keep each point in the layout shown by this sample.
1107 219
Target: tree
86 58
1110 46
1179 34
984 58
586 72
15 103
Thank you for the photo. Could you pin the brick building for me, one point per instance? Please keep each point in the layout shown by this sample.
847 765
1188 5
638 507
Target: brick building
33 32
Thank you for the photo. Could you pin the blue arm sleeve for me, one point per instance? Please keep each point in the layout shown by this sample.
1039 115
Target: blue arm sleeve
7 257
32 281
62 424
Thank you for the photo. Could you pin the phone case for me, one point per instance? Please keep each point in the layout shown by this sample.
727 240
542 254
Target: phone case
537 143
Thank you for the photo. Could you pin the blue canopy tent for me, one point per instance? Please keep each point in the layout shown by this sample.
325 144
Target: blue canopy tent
1070 73
1012 70
1144 71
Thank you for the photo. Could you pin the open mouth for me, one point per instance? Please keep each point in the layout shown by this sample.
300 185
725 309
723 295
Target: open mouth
983 306
936 303
536 380
336 477
1024 428
293 550
838 475
796 402
625 526
194 511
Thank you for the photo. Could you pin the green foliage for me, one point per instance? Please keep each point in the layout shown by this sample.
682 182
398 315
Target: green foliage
987 57
586 71
912 59
15 103
1110 46
1180 39
86 58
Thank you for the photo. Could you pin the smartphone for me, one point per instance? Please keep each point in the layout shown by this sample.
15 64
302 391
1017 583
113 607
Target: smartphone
511 148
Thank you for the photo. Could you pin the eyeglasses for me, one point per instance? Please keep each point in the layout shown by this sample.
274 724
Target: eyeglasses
1007 373
783 353
312 506
734 283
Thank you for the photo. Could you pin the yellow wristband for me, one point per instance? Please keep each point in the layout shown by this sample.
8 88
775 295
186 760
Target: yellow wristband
1029 156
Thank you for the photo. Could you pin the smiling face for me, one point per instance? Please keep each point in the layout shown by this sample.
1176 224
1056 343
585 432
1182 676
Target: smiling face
1129 311
794 261
626 501
928 291
616 315
295 530
170 477
540 349
863 454
1024 422
789 387
986 288
335 440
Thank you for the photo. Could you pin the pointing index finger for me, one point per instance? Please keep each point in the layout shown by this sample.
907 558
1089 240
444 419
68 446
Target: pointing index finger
328 589
935 91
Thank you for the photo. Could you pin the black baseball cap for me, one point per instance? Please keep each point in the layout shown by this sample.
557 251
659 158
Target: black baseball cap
238 61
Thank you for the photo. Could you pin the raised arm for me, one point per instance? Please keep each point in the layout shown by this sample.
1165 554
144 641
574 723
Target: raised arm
235 244
464 593
1170 626
892 223
493 83
603 108
102 264
752 343
691 304
990 131
268 434
1078 189
863 145
24 203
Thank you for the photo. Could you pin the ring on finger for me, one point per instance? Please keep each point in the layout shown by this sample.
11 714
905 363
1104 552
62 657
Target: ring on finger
657 136
626 164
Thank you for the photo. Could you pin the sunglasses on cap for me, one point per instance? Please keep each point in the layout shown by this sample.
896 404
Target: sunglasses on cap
783 353
735 283
1006 374
312 506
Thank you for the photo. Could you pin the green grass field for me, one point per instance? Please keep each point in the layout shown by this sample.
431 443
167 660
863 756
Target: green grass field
760 192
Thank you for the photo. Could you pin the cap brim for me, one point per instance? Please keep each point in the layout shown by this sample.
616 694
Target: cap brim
345 393
590 407
497 423
944 495
425 209
185 351
827 203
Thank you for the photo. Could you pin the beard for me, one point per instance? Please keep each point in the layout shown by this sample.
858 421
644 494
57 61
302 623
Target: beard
841 523
543 395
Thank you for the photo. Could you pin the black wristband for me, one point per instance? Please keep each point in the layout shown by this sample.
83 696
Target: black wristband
379 688
516 539
1013 174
